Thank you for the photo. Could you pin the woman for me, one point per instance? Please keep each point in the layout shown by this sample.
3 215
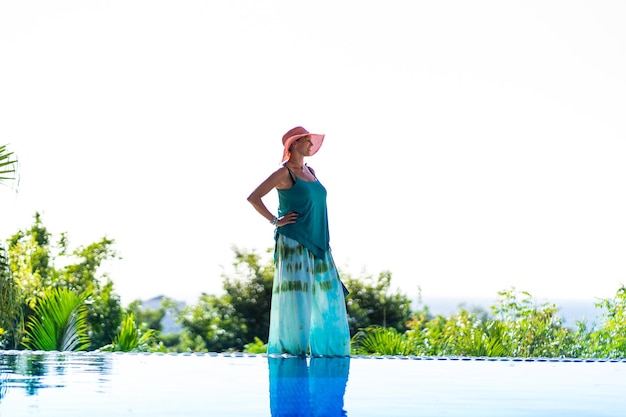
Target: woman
308 308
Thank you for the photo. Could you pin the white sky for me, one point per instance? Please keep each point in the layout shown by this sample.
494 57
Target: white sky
471 145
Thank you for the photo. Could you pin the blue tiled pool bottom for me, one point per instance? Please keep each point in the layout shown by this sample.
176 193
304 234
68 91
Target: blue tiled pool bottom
109 384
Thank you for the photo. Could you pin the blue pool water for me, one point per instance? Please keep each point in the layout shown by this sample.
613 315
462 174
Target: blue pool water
110 384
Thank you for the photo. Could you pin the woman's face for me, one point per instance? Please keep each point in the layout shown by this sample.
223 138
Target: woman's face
303 145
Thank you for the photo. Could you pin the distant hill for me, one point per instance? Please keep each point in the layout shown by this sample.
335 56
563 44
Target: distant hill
570 310
168 323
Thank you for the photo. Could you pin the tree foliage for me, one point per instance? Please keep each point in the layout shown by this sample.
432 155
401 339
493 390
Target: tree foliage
149 318
11 317
608 340
34 260
249 291
371 303
29 255
211 325
236 318
531 330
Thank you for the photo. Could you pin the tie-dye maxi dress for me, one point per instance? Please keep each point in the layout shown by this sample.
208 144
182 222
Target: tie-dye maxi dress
308 309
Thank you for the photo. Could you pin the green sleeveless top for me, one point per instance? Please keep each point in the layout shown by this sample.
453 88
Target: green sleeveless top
308 199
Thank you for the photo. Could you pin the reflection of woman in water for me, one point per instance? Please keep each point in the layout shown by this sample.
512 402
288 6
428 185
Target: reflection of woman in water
299 390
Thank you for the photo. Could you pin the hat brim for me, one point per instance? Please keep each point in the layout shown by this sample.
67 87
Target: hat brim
316 140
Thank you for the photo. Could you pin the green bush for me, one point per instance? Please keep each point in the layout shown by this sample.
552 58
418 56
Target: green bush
531 330
130 338
381 341
608 340
59 322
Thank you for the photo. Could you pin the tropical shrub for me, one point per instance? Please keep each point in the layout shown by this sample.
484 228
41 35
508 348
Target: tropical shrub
59 322
517 328
531 330
462 334
8 165
11 318
32 259
130 338
256 347
381 341
608 340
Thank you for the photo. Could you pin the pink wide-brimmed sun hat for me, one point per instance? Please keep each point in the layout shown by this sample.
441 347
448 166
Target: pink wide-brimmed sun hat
297 133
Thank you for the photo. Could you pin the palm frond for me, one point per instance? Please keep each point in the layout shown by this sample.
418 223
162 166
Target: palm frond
8 165
6 160
59 322
130 338
381 341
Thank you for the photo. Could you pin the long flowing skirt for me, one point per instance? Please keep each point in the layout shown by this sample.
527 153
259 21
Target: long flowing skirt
308 304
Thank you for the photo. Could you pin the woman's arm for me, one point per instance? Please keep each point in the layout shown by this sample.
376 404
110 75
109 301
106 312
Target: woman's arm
279 179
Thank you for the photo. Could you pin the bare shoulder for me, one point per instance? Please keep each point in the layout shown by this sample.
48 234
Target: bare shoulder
280 178
281 172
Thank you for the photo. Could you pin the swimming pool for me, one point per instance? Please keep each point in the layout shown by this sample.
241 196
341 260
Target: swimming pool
112 384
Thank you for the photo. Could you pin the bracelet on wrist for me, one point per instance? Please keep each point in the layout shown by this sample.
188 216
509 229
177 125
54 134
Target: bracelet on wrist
274 221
